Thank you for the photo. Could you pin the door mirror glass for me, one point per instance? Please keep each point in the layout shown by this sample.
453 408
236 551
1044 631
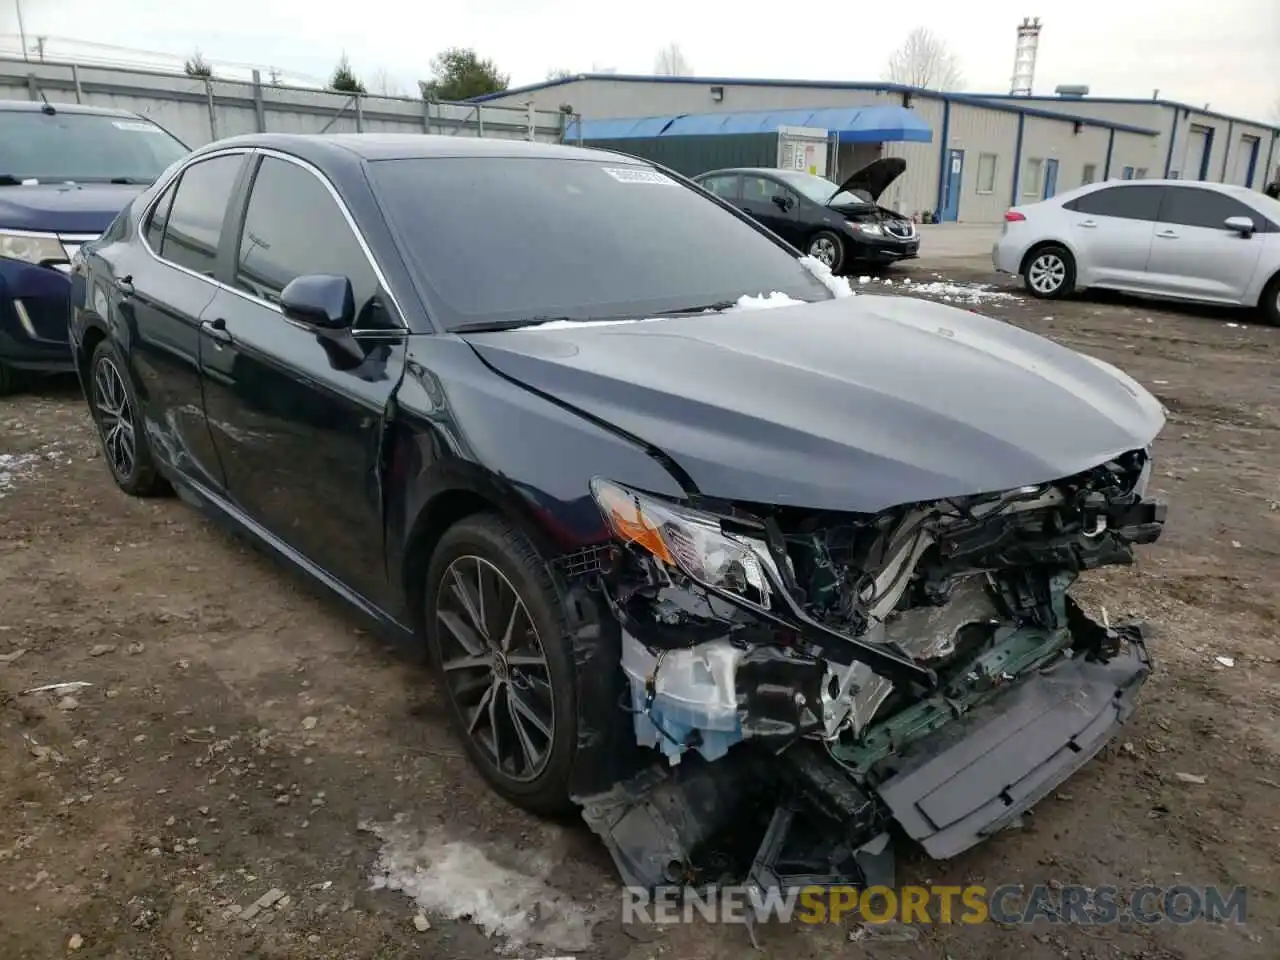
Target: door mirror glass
783 201
319 300
1242 225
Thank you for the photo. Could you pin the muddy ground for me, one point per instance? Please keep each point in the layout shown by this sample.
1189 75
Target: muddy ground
243 734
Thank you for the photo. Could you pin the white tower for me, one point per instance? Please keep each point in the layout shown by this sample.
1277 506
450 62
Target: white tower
1024 61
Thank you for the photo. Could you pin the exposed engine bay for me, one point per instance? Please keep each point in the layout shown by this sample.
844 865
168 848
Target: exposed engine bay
824 675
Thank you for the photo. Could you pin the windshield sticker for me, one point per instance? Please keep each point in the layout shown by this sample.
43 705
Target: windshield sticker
136 125
637 175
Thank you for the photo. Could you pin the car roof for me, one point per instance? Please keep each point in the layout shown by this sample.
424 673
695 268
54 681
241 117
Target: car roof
410 146
764 171
36 106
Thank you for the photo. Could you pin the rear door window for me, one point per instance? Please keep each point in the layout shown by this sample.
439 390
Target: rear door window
725 187
293 227
1124 203
194 226
1197 207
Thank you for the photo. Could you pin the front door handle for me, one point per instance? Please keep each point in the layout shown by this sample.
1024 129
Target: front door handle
125 285
1089 223
216 329
1167 235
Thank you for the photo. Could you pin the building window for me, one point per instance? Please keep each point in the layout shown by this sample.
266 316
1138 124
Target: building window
1090 174
1126 173
1140 173
986 173
1032 177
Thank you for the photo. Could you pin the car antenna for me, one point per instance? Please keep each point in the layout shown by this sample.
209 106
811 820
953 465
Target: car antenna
47 109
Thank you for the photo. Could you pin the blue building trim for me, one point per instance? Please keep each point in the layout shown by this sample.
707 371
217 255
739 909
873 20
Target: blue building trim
1271 152
1253 162
1017 160
988 103
1170 104
1173 138
942 160
1111 147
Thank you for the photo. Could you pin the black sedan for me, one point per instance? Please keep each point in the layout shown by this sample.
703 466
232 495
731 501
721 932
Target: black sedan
840 225
646 485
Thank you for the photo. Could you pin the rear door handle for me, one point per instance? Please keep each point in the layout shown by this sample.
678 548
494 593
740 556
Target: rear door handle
216 329
1167 235
1089 223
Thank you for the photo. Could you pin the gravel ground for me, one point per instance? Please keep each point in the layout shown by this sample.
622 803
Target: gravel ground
249 773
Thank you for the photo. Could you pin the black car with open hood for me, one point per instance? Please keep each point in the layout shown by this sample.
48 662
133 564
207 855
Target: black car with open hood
743 567
840 225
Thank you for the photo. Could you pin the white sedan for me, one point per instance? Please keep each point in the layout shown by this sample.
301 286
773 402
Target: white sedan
1210 242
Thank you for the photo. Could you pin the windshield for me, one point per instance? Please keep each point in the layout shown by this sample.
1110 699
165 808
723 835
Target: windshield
502 238
820 189
83 148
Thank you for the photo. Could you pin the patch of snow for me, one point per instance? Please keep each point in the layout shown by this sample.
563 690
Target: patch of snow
457 880
839 286
963 292
764 301
16 467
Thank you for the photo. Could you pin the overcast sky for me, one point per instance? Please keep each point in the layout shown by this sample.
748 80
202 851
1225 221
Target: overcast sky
1221 52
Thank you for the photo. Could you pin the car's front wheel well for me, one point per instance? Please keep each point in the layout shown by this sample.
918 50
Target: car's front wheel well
1269 300
439 515
92 337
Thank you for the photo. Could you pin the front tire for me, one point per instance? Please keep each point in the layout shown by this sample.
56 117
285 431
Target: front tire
115 411
827 248
1050 273
498 639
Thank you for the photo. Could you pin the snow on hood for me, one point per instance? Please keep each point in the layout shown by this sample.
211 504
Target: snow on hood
839 287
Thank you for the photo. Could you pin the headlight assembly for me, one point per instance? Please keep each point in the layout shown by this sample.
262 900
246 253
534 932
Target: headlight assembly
31 247
687 540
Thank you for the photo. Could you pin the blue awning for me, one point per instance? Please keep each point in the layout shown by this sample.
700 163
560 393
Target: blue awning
852 124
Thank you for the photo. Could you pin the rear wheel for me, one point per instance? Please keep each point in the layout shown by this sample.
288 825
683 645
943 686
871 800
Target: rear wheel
1270 302
828 249
1050 272
497 635
115 411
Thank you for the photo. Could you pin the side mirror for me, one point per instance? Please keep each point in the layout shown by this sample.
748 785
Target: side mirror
320 300
783 201
1241 225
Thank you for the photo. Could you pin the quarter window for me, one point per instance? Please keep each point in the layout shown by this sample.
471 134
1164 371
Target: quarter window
1126 203
1195 207
193 227
292 228
160 217
987 173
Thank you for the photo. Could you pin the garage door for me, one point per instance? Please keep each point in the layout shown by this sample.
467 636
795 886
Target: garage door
1245 164
1195 159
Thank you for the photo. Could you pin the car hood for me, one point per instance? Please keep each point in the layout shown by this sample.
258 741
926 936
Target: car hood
857 404
64 207
875 178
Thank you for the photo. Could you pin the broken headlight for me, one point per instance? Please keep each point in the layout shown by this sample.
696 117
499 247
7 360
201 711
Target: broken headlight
693 542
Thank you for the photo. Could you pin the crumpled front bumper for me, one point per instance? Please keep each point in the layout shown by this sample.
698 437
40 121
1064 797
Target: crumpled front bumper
978 774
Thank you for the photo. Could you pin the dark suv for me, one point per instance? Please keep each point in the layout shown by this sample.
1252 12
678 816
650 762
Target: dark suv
65 172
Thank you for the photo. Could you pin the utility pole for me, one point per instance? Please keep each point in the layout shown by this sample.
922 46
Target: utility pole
22 30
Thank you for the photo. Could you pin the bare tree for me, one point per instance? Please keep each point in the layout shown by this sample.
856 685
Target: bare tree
602 68
386 85
197 66
925 60
671 62
560 74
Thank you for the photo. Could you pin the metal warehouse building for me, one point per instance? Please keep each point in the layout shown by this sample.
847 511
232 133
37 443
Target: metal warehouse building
969 156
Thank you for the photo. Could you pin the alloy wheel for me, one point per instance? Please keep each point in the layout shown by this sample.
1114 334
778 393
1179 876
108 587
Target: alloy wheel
823 249
1048 272
115 418
495 667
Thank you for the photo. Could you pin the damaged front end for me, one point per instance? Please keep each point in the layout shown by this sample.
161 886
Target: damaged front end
802 680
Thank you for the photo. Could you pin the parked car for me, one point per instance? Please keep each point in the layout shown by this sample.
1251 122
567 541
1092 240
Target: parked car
838 224
508 400
1211 242
66 171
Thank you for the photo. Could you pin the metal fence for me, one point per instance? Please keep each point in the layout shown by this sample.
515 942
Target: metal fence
199 110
